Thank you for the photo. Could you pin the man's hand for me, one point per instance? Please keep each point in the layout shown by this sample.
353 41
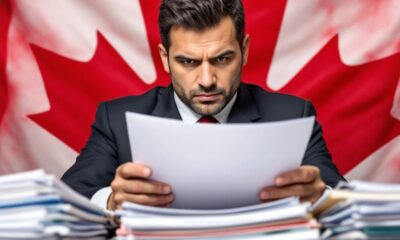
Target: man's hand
304 182
131 184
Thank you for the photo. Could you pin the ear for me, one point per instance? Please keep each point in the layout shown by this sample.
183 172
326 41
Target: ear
164 57
245 48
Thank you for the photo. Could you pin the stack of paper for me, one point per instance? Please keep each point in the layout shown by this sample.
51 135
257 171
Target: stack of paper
283 219
34 205
361 210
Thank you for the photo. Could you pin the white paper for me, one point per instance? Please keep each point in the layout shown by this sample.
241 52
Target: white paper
364 186
133 209
217 221
36 183
214 166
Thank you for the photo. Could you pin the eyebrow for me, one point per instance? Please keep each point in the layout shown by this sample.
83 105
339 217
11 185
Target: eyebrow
223 54
183 57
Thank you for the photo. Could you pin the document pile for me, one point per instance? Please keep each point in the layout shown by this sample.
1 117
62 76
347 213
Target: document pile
361 210
283 219
35 205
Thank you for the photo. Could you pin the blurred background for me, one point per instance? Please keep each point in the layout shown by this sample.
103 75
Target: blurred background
60 58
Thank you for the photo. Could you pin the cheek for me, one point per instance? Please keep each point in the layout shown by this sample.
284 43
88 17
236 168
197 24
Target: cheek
177 73
182 82
230 77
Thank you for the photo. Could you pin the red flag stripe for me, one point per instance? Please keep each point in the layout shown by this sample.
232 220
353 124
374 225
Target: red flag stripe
5 18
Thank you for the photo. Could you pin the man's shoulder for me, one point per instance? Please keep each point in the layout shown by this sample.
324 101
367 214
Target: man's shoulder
263 96
143 103
273 106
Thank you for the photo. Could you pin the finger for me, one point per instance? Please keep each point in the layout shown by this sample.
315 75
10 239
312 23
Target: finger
133 170
300 190
149 199
311 199
168 205
303 174
144 186
318 189
111 204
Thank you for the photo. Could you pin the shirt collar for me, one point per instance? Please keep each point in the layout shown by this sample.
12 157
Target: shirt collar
189 116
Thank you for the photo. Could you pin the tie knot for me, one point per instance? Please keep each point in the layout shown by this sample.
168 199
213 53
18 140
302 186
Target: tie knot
207 119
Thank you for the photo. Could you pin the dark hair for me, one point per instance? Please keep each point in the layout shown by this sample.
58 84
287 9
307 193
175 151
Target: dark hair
199 15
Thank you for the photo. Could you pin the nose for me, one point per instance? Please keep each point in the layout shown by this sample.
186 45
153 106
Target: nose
207 77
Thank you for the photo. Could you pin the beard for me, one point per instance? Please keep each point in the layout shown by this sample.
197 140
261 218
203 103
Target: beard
208 108
203 107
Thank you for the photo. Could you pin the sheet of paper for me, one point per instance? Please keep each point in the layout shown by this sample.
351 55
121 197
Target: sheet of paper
364 186
217 221
36 187
129 208
215 166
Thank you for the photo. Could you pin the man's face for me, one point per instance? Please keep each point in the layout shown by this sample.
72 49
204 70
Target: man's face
205 66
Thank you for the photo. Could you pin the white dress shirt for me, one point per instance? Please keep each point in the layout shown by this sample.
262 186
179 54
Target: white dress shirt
100 198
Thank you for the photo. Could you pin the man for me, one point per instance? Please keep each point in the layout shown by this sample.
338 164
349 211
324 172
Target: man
204 48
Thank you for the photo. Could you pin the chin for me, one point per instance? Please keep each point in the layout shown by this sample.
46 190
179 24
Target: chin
207 109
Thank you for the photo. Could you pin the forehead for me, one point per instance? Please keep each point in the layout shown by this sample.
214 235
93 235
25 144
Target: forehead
211 40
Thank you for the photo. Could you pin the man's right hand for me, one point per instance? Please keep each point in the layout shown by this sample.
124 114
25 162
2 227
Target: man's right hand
131 184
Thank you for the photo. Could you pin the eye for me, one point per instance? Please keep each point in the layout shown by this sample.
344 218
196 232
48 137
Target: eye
221 59
188 62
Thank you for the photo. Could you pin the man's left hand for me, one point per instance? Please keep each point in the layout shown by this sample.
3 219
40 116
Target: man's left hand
304 182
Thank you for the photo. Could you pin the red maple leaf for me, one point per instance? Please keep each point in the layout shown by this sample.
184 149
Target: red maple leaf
5 18
76 88
353 103
354 111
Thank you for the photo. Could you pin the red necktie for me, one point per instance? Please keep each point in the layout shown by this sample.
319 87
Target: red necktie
207 119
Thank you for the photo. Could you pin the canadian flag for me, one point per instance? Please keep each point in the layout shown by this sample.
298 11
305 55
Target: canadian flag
60 58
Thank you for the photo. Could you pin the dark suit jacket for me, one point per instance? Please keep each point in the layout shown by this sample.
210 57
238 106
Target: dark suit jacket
108 145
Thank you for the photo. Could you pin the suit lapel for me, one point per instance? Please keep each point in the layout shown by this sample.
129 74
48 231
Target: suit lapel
245 108
166 106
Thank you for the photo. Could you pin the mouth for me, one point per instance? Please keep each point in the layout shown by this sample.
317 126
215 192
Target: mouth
208 97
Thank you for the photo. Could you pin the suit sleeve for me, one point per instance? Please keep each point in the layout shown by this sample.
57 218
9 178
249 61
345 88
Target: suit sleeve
95 167
317 153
